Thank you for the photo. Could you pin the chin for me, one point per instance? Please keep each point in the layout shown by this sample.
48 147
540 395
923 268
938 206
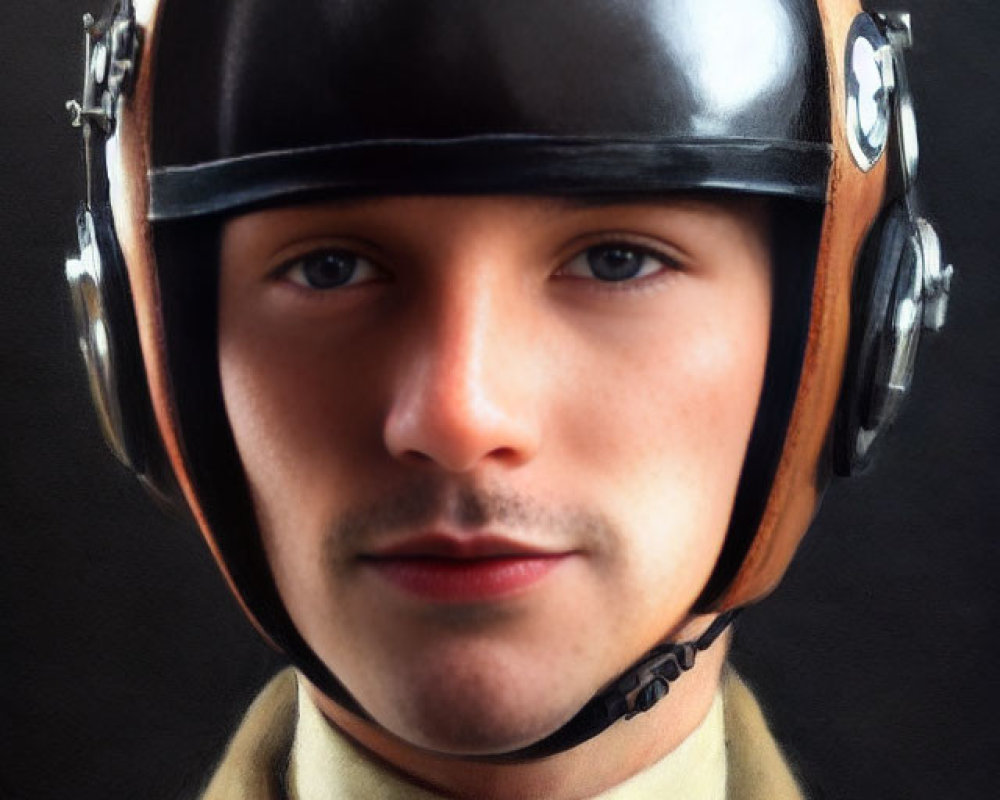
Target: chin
477 711
452 729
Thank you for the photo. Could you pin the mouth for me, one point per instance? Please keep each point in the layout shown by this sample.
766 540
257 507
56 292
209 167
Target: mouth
452 569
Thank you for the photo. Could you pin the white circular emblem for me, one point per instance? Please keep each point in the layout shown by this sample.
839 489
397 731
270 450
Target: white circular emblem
870 83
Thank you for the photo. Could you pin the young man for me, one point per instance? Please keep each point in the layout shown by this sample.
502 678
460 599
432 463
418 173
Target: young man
496 349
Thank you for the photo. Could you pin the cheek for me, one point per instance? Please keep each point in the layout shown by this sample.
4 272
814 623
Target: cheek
664 435
293 408
676 397
718 387
302 424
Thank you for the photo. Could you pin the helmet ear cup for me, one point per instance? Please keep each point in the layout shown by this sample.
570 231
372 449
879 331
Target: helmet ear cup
886 318
901 284
109 342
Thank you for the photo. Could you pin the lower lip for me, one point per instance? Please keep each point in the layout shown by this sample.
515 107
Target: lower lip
465 580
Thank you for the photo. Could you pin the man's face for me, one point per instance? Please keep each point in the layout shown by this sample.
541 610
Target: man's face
493 443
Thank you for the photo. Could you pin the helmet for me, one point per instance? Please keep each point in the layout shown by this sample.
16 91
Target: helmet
192 111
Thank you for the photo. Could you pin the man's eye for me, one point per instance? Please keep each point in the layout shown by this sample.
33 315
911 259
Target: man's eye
614 263
329 269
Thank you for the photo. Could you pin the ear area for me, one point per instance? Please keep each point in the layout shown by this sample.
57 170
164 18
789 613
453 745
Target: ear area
902 284
854 198
109 344
97 277
128 155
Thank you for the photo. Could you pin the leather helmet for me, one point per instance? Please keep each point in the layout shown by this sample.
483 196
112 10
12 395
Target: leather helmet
193 111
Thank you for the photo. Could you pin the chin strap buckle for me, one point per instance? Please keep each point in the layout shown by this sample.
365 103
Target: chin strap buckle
638 689
648 682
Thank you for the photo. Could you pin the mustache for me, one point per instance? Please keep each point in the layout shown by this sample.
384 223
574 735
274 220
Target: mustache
430 500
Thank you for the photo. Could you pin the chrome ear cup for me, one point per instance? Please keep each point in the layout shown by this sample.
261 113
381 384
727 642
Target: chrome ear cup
900 288
98 278
109 343
88 292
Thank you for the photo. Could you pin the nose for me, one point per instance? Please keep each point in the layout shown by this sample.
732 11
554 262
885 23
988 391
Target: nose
465 394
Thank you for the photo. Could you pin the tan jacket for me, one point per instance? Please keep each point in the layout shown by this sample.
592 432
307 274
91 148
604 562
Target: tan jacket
257 756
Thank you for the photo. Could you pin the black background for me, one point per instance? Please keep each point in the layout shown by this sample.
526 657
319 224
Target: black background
124 663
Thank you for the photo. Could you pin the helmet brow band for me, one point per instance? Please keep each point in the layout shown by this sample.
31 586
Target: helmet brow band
492 165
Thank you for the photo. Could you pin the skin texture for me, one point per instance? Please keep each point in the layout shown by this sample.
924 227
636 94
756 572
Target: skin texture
474 381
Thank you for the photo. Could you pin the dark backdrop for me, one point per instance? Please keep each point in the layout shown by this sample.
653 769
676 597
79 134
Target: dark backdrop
124 664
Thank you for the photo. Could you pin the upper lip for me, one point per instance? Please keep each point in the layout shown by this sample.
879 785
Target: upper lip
466 546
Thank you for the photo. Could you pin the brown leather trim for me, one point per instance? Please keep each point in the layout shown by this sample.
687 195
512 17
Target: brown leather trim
853 202
129 161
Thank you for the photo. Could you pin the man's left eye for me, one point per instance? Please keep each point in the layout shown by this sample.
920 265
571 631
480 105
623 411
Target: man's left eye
614 263
329 269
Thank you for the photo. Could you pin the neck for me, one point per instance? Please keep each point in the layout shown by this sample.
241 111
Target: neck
624 750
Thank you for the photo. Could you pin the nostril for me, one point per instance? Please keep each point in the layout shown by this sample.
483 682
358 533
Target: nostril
416 457
507 455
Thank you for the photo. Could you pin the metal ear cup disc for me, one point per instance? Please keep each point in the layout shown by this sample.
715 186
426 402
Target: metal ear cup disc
902 287
887 306
895 355
86 276
109 343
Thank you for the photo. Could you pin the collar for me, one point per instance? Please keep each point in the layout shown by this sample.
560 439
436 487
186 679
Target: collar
286 750
325 765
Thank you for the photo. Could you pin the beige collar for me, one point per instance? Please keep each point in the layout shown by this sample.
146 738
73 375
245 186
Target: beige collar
730 755
326 766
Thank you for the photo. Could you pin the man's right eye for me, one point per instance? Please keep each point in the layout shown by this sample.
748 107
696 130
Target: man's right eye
329 269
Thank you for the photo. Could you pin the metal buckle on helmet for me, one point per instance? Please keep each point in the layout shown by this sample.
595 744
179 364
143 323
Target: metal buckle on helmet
110 60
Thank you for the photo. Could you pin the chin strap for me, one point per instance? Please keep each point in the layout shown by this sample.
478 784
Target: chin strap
635 691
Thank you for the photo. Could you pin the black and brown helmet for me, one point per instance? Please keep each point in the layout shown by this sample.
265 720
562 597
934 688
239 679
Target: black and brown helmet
193 111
